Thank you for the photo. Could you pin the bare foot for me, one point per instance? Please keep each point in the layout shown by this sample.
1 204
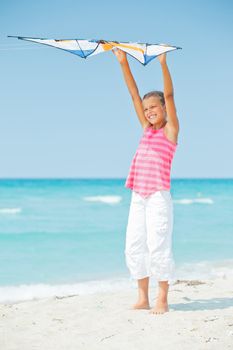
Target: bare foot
141 305
160 308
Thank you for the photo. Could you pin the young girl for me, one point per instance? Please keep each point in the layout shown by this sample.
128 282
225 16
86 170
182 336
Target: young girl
148 248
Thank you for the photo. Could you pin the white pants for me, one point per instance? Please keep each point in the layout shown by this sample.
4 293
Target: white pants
148 248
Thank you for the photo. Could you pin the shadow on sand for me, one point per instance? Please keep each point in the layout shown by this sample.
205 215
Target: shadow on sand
202 304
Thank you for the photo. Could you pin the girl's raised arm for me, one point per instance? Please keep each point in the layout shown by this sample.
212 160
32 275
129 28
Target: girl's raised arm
172 118
131 84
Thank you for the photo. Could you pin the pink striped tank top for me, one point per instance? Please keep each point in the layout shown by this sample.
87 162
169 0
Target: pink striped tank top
151 165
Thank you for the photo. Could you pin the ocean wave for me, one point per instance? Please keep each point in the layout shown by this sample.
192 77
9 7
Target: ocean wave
104 199
204 270
10 210
195 200
25 292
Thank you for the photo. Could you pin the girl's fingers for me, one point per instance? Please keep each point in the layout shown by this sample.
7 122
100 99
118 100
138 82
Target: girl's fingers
115 51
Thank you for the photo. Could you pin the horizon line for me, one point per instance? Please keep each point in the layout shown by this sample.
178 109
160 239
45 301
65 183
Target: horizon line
108 178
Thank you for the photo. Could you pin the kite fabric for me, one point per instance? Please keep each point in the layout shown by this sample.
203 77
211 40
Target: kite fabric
142 52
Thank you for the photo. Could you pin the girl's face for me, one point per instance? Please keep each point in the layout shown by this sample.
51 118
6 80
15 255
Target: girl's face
154 111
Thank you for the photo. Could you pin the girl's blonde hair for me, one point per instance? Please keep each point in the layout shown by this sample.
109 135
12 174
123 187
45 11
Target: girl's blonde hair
158 94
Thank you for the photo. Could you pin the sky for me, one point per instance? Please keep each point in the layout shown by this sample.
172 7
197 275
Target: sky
66 117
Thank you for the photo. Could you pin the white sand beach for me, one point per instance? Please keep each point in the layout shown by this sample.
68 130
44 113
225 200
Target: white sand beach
200 317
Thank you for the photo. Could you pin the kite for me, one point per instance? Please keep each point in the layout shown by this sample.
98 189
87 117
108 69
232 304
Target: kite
143 52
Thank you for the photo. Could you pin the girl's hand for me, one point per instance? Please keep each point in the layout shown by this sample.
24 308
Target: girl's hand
120 55
162 58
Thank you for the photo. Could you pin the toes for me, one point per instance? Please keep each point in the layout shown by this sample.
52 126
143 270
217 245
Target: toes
157 312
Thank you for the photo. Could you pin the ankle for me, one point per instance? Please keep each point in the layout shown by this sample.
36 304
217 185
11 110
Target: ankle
143 298
162 299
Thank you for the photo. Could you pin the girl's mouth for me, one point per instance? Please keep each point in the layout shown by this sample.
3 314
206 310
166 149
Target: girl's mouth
152 116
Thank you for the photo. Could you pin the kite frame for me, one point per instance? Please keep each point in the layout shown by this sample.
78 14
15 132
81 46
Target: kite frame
98 42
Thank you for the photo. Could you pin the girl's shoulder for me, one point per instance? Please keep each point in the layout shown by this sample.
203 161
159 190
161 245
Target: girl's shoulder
146 126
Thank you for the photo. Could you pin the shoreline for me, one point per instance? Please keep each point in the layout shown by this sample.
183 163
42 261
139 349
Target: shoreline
200 317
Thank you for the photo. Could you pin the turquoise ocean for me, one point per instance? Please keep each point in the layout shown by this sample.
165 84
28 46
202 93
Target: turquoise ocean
66 236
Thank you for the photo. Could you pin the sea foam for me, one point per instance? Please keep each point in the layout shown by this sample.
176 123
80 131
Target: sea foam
193 201
104 199
10 210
